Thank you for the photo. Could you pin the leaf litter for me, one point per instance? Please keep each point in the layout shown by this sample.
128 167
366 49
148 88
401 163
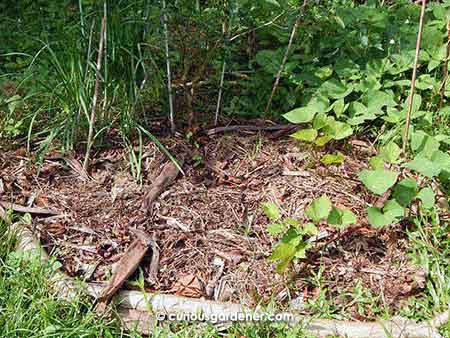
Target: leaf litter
214 213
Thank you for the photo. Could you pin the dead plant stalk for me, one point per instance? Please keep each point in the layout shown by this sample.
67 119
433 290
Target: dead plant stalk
169 80
413 78
95 97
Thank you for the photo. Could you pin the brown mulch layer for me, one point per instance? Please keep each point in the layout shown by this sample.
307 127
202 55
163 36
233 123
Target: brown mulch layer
209 224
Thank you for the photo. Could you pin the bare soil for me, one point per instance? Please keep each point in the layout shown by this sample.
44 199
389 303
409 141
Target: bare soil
209 224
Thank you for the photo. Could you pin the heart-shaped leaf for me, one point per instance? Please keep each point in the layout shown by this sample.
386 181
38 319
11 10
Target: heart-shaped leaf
424 166
307 135
391 212
319 209
378 181
376 163
390 152
300 115
427 196
341 217
330 159
272 211
405 191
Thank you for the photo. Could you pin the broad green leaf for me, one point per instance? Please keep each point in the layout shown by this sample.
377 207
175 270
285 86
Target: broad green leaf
272 211
390 152
378 99
424 166
281 267
376 163
319 208
377 219
309 229
424 144
300 250
320 120
292 221
394 209
341 217
339 130
323 73
322 140
281 251
275 229
427 196
307 135
339 107
319 104
330 159
390 214
417 102
378 181
442 160
405 191
336 89
300 115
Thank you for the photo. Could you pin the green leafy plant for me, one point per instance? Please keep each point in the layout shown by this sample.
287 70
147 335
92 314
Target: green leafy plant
429 164
294 235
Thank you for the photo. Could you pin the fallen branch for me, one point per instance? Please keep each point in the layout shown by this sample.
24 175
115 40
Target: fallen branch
231 128
133 307
168 174
29 210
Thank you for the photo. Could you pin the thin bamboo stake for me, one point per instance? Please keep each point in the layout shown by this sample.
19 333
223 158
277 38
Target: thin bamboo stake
169 81
95 98
445 69
285 57
219 97
222 75
413 79
105 94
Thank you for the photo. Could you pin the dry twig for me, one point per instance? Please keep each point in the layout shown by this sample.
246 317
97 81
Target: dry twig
285 57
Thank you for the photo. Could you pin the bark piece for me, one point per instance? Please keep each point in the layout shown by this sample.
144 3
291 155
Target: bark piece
168 174
125 267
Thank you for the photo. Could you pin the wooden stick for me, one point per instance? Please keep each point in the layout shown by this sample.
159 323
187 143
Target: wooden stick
413 79
285 57
22 209
95 98
169 80
445 69
168 174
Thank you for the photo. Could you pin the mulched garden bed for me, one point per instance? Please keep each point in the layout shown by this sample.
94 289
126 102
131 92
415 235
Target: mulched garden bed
209 224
